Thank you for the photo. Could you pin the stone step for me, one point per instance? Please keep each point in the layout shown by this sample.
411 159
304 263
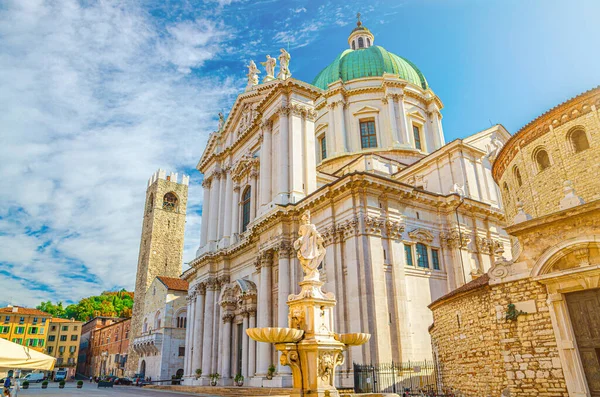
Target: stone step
227 391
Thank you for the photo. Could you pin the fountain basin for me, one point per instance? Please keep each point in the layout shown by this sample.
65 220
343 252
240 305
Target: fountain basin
353 339
275 335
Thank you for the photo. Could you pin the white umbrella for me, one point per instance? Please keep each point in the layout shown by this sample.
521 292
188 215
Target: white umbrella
13 356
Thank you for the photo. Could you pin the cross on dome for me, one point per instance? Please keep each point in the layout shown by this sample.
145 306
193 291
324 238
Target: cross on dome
360 37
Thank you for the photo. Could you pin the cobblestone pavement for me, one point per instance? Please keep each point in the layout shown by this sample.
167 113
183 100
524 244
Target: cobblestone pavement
90 389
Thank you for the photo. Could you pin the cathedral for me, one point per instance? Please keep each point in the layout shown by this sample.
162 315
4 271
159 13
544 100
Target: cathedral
406 217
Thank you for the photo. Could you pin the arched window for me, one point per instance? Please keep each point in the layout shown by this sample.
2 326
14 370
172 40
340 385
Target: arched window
353 45
517 175
180 320
157 320
361 42
170 202
246 199
368 42
150 203
542 159
579 140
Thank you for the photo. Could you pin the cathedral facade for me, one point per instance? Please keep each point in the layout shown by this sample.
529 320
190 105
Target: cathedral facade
406 217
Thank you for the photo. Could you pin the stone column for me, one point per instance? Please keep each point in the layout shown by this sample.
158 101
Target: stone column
310 161
226 348
393 119
254 195
245 353
220 217
284 165
189 335
216 341
235 213
282 295
330 135
197 340
228 204
264 310
265 165
251 345
405 134
207 335
205 212
340 139
213 211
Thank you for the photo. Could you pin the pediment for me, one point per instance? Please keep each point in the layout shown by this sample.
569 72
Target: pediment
417 115
421 235
366 109
243 166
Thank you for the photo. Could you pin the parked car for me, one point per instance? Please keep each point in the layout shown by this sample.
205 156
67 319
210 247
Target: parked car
123 381
61 374
34 377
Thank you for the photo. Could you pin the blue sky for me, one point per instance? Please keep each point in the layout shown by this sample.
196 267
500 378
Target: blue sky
96 95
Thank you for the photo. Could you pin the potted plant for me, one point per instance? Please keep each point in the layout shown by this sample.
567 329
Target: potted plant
26 384
214 378
271 371
198 373
79 384
45 384
239 380
61 384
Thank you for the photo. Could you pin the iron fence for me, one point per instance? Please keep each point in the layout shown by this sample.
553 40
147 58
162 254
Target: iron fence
418 378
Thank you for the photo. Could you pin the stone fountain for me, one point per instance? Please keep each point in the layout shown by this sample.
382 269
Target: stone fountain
310 346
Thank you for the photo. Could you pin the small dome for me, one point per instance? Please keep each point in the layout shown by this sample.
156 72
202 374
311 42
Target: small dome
369 62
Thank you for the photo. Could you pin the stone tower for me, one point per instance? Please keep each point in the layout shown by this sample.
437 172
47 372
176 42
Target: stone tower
161 245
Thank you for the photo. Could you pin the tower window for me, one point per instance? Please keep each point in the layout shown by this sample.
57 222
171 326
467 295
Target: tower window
361 42
579 140
246 199
517 174
368 138
170 202
323 146
542 159
417 136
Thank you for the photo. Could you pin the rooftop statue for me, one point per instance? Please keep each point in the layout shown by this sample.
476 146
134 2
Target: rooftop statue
284 63
269 65
310 248
221 121
253 73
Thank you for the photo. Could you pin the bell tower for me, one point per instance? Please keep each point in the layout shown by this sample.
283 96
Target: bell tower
161 245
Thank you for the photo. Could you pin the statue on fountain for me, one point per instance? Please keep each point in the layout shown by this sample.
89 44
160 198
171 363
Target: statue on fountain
310 248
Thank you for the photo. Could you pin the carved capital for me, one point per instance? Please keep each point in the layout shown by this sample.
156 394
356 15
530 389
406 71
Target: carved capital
284 250
454 239
373 225
236 188
228 318
222 280
211 283
266 258
206 182
284 111
266 126
394 229
201 289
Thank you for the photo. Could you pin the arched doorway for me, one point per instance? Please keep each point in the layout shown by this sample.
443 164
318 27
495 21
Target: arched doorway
179 373
571 272
143 369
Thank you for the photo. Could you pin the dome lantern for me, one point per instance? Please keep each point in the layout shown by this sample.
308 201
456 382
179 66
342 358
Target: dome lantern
360 37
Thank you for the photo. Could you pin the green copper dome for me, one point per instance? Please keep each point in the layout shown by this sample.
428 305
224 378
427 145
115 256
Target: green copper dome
369 62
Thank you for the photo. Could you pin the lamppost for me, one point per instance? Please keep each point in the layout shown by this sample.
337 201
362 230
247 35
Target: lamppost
104 357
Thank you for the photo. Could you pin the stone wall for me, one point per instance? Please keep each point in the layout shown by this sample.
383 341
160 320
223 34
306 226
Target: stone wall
541 191
483 353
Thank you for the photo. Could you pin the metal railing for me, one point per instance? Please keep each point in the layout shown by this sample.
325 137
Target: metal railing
418 378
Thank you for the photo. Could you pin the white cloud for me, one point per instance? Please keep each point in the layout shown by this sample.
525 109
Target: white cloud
94 98
299 10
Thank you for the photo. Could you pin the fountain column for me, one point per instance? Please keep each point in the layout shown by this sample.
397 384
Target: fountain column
264 310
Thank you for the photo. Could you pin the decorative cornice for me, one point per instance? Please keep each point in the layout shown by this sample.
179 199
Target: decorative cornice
555 117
